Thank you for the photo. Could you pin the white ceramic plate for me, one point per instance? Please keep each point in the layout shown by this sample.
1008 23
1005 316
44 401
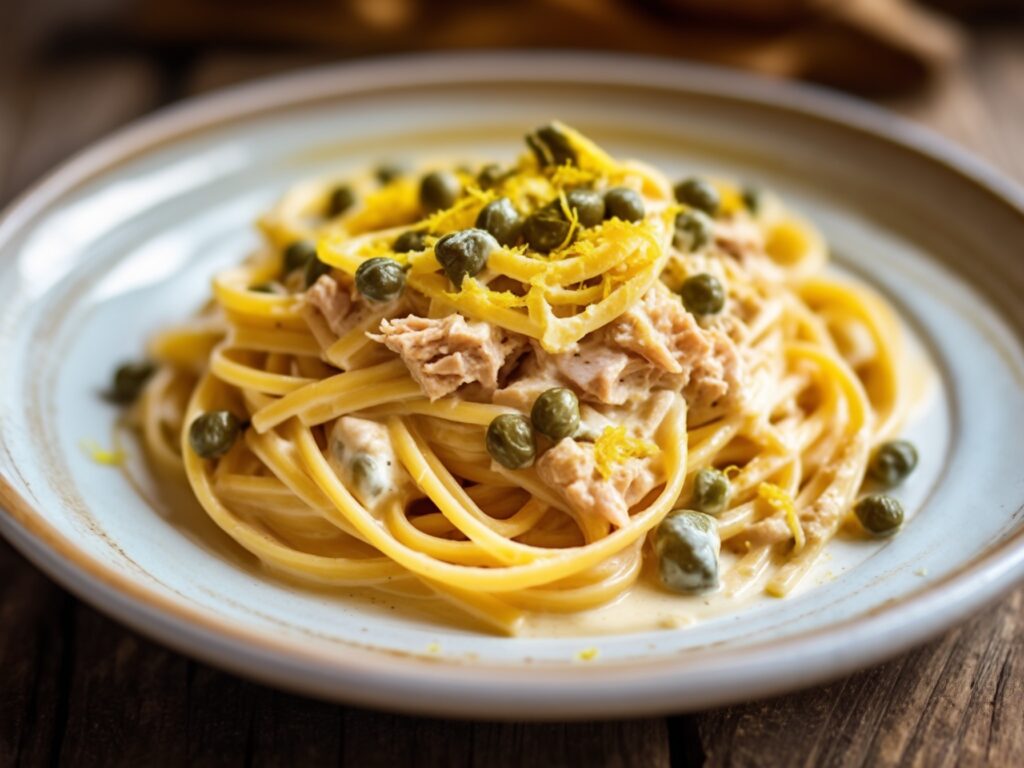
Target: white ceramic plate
123 239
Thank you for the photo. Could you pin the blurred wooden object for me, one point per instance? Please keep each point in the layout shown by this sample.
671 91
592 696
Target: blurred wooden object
876 46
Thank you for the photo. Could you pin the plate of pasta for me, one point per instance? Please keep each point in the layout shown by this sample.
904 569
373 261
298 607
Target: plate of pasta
435 384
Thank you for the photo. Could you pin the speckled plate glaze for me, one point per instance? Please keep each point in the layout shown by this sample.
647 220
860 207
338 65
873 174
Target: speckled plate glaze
124 237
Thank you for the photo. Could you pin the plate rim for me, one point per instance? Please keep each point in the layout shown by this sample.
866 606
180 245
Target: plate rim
417 685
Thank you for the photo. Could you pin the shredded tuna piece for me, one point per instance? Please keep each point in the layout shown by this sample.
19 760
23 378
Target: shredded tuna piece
657 344
333 304
443 354
570 469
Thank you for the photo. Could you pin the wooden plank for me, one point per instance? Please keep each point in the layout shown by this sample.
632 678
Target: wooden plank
956 701
373 740
66 105
126 700
33 661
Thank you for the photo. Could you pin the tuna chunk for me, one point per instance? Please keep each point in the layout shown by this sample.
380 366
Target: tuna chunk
658 329
332 303
656 344
569 468
445 353
362 455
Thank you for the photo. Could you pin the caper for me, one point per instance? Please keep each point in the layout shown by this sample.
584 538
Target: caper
693 231
342 198
298 254
380 279
510 441
546 229
589 206
703 294
315 269
892 462
501 219
411 240
213 433
623 203
556 413
751 197
490 175
551 146
710 491
367 475
687 545
464 253
439 190
699 194
880 514
129 379
388 172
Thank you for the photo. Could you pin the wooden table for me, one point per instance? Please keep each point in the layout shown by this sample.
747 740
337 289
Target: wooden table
77 689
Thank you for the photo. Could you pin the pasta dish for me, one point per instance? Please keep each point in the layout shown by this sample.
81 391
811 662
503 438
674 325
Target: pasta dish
526 388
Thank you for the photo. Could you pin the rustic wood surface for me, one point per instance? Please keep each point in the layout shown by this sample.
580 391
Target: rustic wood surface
78 689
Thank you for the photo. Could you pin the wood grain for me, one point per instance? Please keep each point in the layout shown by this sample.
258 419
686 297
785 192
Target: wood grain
78 689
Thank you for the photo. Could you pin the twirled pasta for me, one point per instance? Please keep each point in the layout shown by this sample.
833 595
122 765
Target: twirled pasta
808 373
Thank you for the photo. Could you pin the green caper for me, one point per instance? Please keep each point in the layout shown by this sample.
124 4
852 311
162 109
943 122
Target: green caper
687 545
342 198
510 441
298 254
315 269
703 294
367 475
556 413
411 240
213 433
464 253
699 194
880 514
490 175
711 491
623 203
751 197
439 190
589 206
388 172
129 379
380 279
551 146
501 219
546 229
892 462
693 230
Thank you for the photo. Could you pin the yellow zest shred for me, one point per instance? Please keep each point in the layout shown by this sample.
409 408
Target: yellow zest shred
568 176
472 287
462 215
99 454
587 654
614 446
782 501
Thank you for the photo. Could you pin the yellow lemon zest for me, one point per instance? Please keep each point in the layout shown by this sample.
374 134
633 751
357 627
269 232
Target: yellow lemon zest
614 446
472 288
99 454
782 501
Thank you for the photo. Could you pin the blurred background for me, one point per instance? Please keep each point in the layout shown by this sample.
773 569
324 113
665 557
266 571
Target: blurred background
70 70
81 65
